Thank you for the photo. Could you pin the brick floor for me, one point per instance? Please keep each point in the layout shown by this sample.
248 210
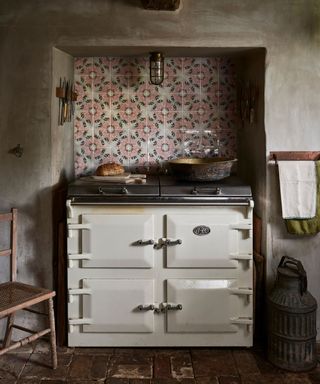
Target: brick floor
146 366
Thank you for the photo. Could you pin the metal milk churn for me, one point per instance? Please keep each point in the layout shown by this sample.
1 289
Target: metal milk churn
292 319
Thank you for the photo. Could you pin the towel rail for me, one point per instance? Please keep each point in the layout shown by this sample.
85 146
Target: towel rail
294 155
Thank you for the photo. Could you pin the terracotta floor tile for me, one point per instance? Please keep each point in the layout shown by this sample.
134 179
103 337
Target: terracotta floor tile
262 379
265 367
207 380
24 381
71 381
245 362
130 367
213 362
147 352
99 367
181 366
229 380
314 376
8 381
173 381
45 381
93 351
80 367
39 365
11 365
296 378
161 366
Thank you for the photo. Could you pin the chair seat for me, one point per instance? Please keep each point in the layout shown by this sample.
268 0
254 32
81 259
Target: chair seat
15 296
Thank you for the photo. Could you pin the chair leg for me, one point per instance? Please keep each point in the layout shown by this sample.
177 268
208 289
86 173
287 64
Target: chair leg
52 334
7 337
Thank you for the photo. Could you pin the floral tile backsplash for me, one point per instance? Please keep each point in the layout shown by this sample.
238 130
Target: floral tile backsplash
121 117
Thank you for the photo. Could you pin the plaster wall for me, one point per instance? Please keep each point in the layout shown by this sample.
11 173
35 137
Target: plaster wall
288 29
61 135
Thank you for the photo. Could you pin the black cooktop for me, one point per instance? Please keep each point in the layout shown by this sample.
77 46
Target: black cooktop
161 189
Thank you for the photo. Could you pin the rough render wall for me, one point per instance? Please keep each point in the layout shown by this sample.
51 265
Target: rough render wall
61 135
29 30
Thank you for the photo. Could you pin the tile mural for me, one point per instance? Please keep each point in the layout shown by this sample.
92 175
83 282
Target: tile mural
121 117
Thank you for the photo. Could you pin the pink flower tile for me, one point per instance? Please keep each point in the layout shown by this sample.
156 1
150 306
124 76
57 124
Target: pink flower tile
102 66
172 66
124 66
102 84
81 127
209 65
83 85
101 108
192 66
128 112
83 110
83 65
120 83
173 119
137 84
174 102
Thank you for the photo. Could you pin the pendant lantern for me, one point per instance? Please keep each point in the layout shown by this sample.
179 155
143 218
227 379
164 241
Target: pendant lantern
156 68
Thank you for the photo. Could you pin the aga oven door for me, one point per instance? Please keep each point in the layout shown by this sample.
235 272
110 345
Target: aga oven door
202 240
207 306
118 241
113 305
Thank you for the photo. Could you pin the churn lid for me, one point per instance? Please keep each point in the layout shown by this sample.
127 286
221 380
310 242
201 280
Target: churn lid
293 268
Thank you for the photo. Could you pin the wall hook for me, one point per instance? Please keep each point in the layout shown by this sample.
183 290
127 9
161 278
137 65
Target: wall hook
17 150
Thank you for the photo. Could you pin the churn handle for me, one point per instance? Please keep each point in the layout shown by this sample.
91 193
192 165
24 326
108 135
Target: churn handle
286 261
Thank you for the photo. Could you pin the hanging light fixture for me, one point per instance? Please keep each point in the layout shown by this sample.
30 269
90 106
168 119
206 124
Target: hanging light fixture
156 68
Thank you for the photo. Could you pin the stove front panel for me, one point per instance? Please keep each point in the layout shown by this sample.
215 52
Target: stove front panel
106 290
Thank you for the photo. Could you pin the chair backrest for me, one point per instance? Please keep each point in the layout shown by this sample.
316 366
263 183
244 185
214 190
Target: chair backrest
12 251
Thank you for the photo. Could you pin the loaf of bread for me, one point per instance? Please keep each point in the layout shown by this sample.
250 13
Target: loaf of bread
109 169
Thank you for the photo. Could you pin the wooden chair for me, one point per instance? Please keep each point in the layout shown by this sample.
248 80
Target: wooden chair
16 296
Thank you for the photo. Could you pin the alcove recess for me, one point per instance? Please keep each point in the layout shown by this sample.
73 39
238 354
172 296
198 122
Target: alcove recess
251 140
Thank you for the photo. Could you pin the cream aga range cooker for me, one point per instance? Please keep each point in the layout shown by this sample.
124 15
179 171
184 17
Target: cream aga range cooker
165 263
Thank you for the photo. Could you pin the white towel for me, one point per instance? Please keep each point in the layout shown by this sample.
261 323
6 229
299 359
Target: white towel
298 188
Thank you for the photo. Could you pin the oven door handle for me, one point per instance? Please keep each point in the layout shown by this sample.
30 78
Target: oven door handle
164 242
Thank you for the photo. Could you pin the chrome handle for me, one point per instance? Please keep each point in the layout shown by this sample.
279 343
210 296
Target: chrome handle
174 307
214 191
146 307
173 242
144 242
124 191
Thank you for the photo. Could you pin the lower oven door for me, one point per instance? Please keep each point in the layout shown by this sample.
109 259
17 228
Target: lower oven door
207 305
112 305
